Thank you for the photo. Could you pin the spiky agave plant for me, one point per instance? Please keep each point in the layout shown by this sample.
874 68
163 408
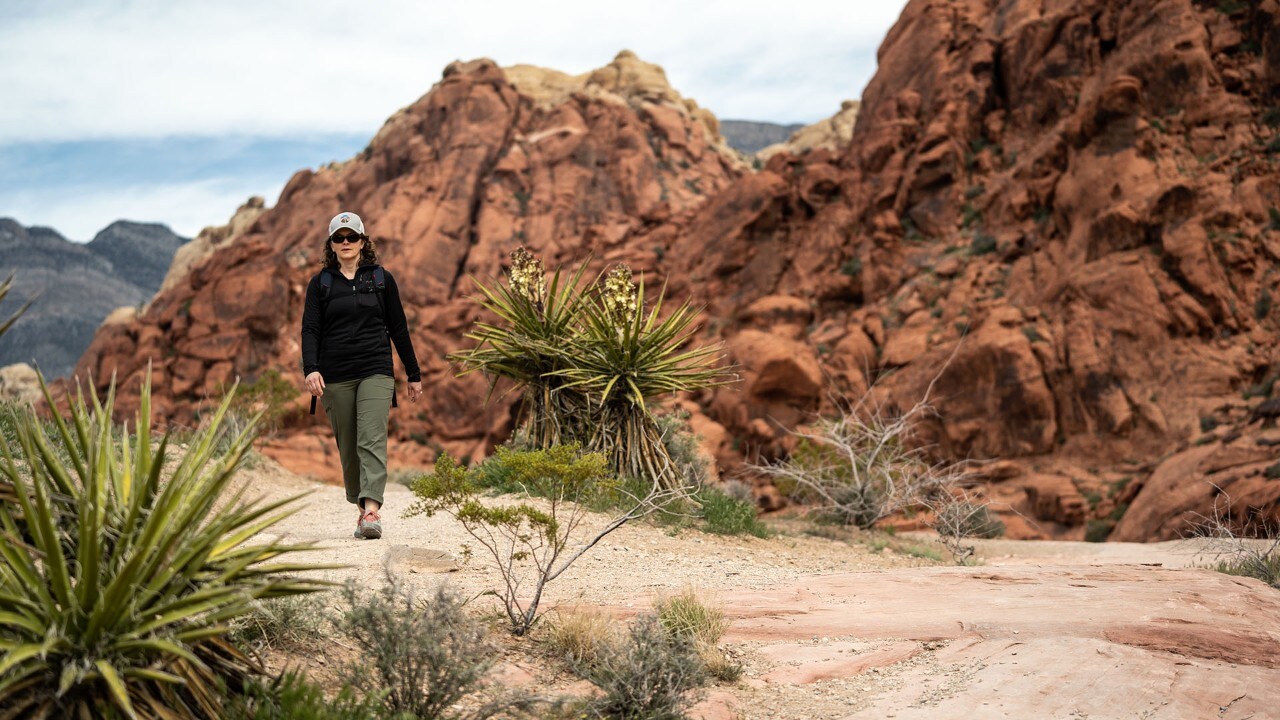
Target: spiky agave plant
529 344
115 603
623 356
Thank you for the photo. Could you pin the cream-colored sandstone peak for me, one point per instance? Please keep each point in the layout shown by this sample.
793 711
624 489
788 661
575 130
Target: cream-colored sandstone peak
832 133
210 239
627 80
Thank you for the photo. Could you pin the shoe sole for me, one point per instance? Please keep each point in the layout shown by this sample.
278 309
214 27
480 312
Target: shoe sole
369 531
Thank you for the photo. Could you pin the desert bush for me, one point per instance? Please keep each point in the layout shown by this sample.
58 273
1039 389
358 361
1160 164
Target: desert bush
686 615
682 447
651 675
117 584
724 514
530 545
419 657
291 696
587 359
267 396
957 518
293 623
861 467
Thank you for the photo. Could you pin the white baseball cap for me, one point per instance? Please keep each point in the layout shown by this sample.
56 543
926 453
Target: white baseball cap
348 220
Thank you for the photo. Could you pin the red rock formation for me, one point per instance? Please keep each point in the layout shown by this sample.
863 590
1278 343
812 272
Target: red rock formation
449 187
1062 216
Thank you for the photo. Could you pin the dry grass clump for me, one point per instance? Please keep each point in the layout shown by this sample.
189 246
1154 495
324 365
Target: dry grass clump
580 636
686 616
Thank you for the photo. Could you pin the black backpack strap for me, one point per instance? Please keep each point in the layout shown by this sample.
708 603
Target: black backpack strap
380 284
326 283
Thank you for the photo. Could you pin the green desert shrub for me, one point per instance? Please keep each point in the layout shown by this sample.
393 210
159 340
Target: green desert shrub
295 623
650 675
724 514
118 578
268 395
419 657
291 696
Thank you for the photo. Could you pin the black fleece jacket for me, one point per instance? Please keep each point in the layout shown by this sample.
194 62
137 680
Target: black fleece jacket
345 336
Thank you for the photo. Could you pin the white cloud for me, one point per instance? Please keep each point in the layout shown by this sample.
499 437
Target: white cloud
79 213
145 68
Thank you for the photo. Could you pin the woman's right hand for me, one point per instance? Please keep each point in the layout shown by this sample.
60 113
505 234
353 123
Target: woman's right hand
315 384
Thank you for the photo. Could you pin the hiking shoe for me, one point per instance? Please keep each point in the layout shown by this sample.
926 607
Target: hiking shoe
359 520
371 525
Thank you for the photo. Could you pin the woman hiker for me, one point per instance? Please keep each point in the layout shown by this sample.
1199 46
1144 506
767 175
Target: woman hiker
353 307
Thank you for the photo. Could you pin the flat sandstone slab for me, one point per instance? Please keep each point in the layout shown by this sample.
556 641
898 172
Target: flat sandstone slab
1060 641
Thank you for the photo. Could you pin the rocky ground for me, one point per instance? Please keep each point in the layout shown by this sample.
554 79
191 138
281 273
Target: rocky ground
829 628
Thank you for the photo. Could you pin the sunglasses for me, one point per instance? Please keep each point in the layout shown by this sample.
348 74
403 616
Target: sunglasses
345 239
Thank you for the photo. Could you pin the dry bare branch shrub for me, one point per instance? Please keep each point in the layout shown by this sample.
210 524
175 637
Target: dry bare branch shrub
1247 548
957 518
531 545
862 466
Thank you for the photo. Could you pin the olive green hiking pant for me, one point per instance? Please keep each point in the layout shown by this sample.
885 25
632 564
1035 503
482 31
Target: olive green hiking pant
357 411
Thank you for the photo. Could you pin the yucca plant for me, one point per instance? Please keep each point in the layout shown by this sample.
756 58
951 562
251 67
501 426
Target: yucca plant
588 361
114 602
529 344
623 356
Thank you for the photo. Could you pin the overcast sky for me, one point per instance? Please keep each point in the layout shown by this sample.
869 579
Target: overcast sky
175 112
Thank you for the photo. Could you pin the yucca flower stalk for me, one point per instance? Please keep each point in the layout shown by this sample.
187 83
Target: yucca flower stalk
529 342
114 601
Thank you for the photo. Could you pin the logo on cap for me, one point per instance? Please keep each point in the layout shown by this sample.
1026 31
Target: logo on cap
344 218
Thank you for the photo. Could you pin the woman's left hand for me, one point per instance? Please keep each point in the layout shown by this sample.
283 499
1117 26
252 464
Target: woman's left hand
415 389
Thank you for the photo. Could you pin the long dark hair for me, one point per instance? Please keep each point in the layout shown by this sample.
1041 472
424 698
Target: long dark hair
368 254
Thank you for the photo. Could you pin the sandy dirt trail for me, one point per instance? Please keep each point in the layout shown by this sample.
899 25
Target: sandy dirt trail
831 629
